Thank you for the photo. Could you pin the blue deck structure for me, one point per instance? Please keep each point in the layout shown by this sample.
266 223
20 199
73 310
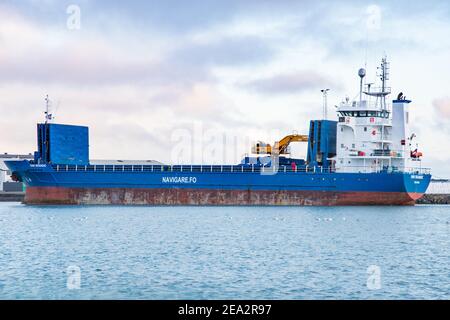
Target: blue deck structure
247 184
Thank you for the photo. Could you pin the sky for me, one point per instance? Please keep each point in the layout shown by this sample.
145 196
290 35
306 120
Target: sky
200 81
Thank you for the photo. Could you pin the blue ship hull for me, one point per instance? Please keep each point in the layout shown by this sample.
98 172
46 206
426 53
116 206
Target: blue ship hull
213 185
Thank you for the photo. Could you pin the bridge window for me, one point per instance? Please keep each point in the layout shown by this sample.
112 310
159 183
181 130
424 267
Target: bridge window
362 114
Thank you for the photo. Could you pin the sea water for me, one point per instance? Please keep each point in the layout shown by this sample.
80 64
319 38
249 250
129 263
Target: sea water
112 252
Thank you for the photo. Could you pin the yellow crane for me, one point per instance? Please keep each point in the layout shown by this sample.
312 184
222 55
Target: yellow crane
280 147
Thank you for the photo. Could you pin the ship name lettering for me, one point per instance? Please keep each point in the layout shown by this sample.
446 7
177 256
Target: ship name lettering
179 179
38 165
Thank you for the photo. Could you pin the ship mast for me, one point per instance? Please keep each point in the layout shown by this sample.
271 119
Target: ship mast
325 103
384 77
48 115
384 90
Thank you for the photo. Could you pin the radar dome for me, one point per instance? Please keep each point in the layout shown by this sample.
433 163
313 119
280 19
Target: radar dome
362 72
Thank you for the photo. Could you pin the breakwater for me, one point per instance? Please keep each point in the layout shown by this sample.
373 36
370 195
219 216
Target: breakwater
431 198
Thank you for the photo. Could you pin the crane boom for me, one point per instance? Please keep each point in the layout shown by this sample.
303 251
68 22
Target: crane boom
279 147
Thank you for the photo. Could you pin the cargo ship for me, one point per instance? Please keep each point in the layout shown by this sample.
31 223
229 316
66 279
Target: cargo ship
367 156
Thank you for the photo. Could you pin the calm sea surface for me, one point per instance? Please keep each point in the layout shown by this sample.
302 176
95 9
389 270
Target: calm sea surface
224 252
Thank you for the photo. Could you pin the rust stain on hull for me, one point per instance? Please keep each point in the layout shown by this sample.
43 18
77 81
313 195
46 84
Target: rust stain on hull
200 197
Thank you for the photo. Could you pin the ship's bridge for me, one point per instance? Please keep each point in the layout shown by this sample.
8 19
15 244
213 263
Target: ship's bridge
367 113
363 109
363 105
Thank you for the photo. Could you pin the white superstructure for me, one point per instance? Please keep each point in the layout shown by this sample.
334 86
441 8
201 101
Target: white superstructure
372 134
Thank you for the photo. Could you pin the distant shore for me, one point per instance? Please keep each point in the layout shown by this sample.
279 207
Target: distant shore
11 196
426 199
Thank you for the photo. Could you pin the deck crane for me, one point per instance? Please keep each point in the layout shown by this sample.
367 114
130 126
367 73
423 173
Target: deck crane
279 147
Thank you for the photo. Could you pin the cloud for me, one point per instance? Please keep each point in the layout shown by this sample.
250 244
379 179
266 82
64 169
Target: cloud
290 83
439 166
119 134
442 107
30 57
226 51
201 102
170 16
90 58
141 69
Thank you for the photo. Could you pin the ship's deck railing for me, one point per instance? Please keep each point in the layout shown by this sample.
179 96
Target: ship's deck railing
366 105
386 169
228 169
418 170
186 168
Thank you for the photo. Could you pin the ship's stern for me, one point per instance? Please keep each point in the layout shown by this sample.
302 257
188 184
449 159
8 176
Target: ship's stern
416 184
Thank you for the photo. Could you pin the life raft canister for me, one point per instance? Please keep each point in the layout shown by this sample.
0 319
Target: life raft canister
293 166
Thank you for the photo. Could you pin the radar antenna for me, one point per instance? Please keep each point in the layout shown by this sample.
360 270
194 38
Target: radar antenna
362 74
